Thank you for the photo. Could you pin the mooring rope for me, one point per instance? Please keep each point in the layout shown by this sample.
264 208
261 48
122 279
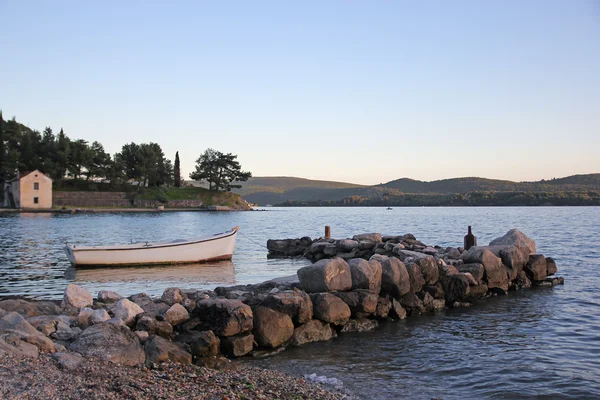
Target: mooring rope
253 241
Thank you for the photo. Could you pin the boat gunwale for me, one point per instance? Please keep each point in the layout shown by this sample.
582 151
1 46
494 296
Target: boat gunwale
219 236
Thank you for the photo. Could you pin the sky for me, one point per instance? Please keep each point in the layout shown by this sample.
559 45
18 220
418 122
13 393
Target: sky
354 91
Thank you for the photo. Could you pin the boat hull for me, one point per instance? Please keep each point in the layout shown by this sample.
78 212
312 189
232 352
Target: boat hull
216 248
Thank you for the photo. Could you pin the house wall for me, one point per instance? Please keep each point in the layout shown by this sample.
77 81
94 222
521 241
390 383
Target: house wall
11 195
28 193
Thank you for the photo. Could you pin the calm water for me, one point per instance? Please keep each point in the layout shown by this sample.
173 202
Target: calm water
541 344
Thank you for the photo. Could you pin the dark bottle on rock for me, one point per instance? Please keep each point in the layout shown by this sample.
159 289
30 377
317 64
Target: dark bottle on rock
470 240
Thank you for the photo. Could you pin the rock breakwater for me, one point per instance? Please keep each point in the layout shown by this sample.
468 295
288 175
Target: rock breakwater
386 278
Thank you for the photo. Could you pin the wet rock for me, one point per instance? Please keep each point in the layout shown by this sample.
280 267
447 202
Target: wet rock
412 304
214 362
366 274
476 293
294 303
551 268
76 297
359 325
522 281
397 311
438 304
68 361
383 307
127 311
271 328
325 275
330 308
237 345
176 314
289 247
536 267
427 300
312 331
172 296
160 350
108 296
224 317
362 302
202 344
110 342
30 309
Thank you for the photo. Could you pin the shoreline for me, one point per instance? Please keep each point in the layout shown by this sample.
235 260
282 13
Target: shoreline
84 210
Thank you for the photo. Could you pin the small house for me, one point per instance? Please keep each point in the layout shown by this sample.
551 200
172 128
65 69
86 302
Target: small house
28 190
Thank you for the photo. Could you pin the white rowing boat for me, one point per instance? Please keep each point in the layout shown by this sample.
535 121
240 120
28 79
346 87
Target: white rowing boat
215 247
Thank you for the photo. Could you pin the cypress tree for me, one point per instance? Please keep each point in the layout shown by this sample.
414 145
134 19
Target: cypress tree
177 171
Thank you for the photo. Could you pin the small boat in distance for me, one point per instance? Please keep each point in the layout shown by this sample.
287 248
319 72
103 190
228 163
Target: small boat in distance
389 208
219 246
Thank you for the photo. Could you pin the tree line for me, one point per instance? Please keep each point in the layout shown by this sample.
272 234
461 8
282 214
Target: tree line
145 164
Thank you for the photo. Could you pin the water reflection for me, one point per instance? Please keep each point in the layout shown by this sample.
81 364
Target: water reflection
221 272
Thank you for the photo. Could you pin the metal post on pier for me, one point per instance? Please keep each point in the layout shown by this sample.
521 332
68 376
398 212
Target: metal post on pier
327 231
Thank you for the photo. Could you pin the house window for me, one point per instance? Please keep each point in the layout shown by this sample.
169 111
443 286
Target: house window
36 200
36 186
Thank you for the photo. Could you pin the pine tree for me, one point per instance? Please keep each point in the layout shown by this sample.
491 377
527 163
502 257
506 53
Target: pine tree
177 171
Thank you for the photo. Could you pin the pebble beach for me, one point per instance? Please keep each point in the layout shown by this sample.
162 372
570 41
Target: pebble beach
42 378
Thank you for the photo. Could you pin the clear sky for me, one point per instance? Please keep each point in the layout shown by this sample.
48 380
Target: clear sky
355 91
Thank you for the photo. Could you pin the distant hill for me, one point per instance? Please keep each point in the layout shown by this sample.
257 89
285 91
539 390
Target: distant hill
279 190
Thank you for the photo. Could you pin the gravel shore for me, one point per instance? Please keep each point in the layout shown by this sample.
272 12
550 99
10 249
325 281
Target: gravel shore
24 378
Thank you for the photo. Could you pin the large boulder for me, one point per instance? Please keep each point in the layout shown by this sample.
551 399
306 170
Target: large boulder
362 303
76 297
68 361
202 343
14 325
395 280
373 237
396 310
295 303
514 237
330 308
160 350
312 331
347 245
149 306
237 345
30 309
325 276
271 328
365 274
224 317
110 342
289 247
127 311
384 306
13 344
176 314
536 268
147 323
416 277
495 275
429 269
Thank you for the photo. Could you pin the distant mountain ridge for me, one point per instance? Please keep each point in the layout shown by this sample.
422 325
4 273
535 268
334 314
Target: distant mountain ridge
278 190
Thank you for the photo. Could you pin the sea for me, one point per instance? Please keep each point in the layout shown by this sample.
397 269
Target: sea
542 343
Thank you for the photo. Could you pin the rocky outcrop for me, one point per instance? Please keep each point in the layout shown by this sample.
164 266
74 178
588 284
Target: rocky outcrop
362 303
202 344
176 314
237 345
514 237
294 303
160 350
